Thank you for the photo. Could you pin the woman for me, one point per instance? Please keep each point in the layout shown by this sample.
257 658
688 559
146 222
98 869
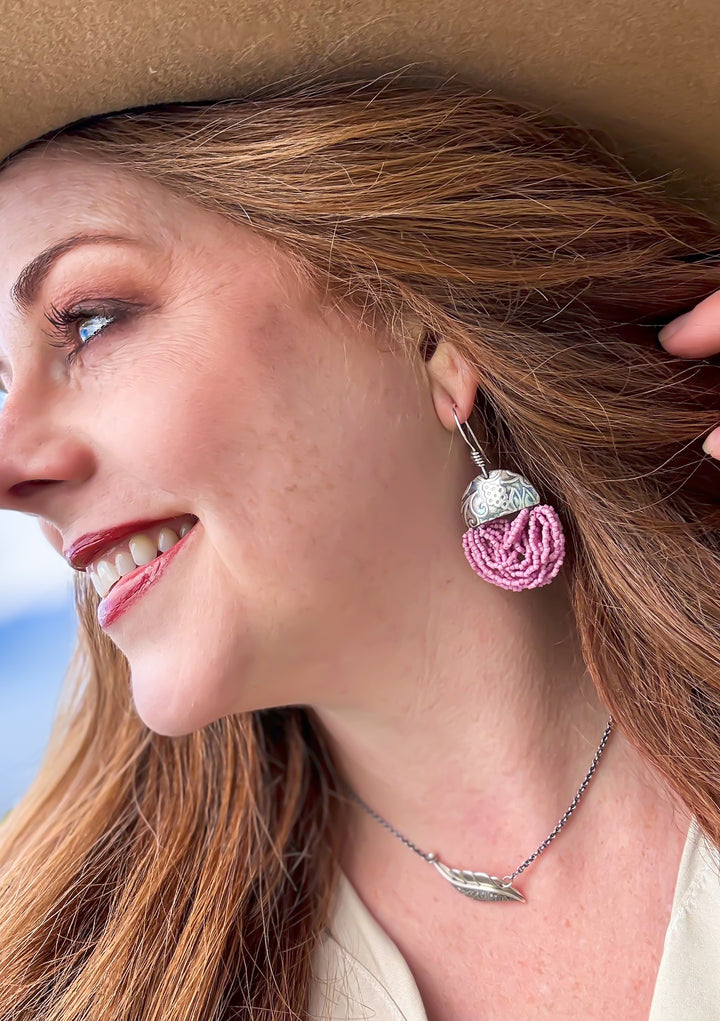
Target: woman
285 314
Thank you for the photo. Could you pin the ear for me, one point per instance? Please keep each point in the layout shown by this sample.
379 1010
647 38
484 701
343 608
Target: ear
451 383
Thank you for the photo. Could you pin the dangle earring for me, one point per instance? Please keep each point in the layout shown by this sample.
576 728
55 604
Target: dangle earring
515 553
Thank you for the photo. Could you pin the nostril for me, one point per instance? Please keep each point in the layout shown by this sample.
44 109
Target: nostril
25 489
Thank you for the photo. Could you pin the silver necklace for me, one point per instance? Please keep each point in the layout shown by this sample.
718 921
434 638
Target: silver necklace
480 885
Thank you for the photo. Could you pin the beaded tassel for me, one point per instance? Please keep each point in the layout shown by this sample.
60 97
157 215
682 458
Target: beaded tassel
526 552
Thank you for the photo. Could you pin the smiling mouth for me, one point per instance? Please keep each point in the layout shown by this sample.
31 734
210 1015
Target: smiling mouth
137 551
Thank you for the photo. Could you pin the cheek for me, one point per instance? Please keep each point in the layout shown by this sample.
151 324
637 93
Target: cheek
272 433
175 414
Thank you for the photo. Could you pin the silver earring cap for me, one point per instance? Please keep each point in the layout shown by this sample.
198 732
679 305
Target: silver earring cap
494 494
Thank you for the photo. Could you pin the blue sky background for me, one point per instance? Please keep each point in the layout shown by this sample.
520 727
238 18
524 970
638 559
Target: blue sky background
37 635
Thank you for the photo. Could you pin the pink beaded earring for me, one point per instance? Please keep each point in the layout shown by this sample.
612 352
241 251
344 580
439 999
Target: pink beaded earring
519 553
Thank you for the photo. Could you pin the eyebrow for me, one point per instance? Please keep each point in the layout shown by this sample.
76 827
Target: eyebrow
25 289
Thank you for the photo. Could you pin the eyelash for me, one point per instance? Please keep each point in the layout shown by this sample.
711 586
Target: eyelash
64 319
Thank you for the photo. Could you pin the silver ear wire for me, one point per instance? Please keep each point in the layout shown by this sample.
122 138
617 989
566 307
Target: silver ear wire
495 494
475 447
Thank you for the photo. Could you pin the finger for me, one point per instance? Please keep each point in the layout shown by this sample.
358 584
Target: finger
695 334
711 445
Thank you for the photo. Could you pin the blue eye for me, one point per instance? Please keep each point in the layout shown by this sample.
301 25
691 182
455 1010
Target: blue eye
3 398
86 333
78 326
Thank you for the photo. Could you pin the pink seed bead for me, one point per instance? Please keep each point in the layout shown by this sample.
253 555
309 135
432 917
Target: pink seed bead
522 553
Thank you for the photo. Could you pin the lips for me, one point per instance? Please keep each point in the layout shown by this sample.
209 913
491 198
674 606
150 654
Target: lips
130 588
89 546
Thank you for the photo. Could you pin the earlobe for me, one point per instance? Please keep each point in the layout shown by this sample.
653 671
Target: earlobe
452 384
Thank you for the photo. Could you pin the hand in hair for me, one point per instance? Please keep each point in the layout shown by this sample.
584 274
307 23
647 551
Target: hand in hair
696 334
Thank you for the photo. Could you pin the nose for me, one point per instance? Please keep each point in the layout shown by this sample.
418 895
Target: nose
41 456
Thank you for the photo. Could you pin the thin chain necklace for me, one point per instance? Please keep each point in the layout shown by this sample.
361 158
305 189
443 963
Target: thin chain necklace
480 885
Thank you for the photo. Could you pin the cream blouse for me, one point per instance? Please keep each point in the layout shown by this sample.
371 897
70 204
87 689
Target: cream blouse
360 974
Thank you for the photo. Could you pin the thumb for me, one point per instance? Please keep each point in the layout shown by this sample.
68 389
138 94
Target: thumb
696 334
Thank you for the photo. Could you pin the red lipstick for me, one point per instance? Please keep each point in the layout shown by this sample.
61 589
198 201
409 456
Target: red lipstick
87 547
132 586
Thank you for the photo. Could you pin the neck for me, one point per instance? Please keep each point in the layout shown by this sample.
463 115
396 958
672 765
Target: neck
479 748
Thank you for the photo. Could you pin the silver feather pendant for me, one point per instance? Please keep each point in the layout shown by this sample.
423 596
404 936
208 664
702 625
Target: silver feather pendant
478 885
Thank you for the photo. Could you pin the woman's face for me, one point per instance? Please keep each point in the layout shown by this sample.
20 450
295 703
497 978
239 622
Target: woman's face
212 383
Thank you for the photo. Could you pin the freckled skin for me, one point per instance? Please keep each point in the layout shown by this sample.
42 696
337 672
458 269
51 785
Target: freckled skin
292 433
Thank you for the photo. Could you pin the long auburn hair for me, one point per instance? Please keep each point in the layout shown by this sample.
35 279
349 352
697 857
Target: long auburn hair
147 878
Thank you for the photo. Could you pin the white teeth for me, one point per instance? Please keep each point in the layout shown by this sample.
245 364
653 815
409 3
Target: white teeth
107 575
143 549
97 584
124 563
167 538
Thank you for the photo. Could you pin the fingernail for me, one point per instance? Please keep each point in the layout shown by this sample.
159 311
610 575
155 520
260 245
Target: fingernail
673 327
711 445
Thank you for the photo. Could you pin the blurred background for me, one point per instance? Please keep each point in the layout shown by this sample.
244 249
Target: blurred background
37 635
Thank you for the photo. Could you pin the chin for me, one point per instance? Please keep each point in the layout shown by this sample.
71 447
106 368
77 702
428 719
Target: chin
169 714
177 691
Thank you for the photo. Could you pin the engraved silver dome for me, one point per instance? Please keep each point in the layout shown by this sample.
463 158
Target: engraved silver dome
501 493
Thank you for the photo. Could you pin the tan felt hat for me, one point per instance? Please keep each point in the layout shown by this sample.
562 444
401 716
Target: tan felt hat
645 71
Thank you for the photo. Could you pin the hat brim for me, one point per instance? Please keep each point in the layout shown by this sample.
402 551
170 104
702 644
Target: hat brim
645 71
